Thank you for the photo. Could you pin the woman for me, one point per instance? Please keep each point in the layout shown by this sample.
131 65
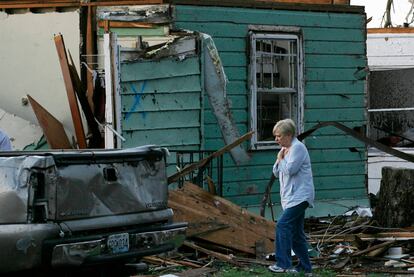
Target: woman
297 193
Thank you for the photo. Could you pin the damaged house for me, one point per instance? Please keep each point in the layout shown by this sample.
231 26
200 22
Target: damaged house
193 76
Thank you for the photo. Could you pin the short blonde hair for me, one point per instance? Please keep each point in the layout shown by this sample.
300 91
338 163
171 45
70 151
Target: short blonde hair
285 127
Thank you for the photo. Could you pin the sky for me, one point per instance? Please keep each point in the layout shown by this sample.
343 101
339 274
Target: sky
376 9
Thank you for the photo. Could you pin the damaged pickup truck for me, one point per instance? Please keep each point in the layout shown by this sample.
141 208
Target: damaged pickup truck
83 208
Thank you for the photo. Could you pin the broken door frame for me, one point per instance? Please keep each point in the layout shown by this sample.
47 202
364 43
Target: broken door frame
112 92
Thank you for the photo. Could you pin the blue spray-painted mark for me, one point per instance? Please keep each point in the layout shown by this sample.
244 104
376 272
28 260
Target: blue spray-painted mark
137 100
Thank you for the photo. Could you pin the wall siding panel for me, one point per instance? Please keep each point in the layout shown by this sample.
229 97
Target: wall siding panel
235 188
161 103
187 83
334 61
269 17
335 101
334 51
166 68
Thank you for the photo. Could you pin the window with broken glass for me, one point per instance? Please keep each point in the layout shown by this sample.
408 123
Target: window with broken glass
275 75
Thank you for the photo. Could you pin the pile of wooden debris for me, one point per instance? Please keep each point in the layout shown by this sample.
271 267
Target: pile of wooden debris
355 244
220 231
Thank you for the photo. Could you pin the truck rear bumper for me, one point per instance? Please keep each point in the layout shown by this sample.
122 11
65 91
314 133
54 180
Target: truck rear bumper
115 247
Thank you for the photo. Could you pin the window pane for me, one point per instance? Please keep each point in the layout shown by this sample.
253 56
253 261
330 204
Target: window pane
276 63
270 109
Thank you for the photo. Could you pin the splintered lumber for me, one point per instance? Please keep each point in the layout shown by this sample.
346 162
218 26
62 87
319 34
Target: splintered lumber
89 56
220 256
211 185
388 271
96 140
387 236
219 221
194 166
52 128
369 249
124 24
73 103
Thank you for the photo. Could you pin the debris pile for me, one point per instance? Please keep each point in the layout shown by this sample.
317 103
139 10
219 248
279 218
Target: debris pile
356 243
220 231
52 127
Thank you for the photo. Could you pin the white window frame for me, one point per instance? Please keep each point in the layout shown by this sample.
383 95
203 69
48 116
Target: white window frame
298 114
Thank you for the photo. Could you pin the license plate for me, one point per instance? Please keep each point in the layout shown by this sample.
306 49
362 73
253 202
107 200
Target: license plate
118 243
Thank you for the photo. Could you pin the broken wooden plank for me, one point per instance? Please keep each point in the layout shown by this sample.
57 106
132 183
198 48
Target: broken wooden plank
90 51
52 128
211 185
387 236
210 228
390 30
220 256
249 261
194 166
123 24
205 212
73 103
25 4
369 249
387 271
112 96
96 140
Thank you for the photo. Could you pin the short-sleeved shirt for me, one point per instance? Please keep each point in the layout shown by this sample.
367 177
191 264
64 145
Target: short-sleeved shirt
295 176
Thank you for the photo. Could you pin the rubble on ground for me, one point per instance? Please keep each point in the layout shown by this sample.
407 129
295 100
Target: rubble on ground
221 232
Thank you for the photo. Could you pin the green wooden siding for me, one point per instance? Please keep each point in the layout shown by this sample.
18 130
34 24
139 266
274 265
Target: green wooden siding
334 50
161 103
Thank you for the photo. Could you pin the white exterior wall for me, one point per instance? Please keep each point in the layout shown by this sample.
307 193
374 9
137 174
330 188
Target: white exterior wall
390 51
21 132
29 63
377 160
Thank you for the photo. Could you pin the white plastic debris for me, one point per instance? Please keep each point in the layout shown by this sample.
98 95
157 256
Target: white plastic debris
393 263
363 212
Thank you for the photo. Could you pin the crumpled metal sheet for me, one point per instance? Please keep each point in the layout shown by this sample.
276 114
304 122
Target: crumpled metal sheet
215 82
76 185
148 13
83 191
14 180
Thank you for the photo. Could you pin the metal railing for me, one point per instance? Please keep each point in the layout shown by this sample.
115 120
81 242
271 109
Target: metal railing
212 169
